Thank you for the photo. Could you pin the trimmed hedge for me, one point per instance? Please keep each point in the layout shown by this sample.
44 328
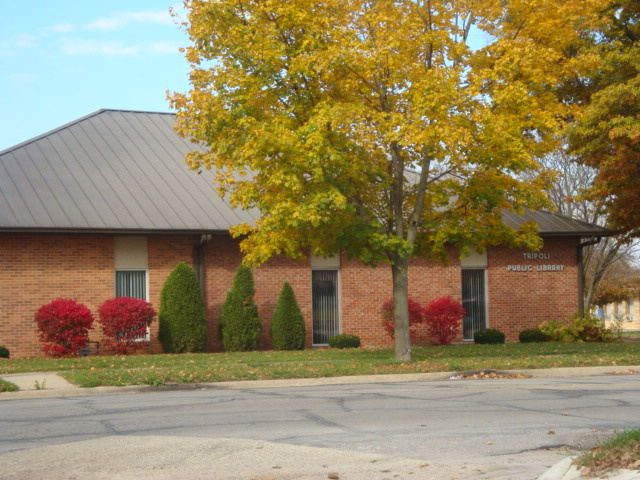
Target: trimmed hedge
239 321
532 335
344 340
489 336
287 325
182 315
4 352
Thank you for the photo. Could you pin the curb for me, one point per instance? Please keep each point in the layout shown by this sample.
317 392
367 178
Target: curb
564 470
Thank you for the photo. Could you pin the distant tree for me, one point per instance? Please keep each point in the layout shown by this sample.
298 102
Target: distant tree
569 194
315 112
287 326
620 282
182 314
607 136
239 321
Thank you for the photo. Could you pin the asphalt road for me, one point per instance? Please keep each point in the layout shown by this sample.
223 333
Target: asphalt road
503 428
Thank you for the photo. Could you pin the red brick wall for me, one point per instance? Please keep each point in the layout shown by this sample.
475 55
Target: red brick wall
164 252
36 269
361 301
222 258
523 299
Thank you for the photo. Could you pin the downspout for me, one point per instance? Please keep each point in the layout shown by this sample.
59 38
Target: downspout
198 260
581 246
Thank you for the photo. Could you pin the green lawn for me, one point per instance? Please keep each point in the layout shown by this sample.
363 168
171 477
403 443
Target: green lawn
214 367
7 387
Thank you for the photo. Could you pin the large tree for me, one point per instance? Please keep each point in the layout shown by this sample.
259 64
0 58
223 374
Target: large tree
607 135
377 127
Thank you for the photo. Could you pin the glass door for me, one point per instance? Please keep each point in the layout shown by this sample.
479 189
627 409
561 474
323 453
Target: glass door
325 305
474 301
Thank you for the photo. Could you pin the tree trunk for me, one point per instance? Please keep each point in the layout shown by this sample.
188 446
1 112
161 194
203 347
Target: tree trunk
400 269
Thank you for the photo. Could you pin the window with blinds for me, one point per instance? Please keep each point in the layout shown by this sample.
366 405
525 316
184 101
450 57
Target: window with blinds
131 283
473 301
325 305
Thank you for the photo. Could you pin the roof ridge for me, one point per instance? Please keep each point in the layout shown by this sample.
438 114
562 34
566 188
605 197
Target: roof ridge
74 122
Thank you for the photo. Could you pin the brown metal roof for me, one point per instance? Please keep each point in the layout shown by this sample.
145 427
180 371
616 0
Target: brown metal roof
555 225
112 170
124 171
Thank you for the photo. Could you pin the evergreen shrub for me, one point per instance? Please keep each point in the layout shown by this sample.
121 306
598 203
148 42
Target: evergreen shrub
239 321
489 336
287 325
344 340
532 335
4 352
182 315
64 327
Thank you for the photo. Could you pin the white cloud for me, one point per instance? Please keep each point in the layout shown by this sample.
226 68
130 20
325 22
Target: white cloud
64 27
164 48
81 47
13 46
23 77
120 19
25 40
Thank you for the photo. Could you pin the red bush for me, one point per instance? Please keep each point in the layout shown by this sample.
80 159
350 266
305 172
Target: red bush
416 317
444 319
125 321
64 324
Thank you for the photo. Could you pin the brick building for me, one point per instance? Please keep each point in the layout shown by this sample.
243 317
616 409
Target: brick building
106 206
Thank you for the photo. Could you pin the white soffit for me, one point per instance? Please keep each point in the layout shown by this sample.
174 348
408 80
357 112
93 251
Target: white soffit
474 260
130 253
325 262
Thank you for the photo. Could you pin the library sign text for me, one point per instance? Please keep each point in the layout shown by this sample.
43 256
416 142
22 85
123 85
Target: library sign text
528 267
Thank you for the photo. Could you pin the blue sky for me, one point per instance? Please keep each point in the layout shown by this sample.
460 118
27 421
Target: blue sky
63 59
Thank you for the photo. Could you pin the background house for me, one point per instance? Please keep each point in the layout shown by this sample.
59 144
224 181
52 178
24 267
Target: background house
624 314
106 206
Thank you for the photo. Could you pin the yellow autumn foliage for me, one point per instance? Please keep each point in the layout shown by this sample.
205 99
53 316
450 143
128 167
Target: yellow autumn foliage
382 128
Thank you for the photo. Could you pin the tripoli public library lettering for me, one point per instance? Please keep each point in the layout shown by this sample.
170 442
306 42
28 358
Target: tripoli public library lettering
545 267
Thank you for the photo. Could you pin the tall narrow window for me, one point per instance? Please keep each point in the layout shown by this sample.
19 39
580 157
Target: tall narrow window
131 265
325 305
131 262
131 283
473 301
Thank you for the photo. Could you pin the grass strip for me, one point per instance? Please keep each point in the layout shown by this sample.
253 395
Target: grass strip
314 363
620 451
